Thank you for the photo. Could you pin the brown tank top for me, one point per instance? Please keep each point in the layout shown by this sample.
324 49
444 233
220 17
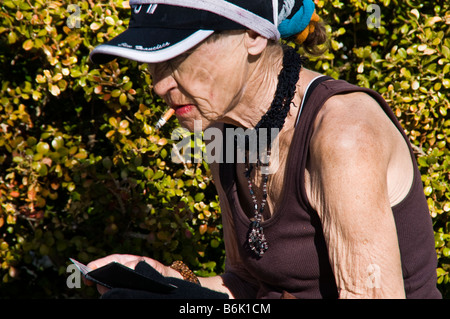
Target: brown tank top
297 259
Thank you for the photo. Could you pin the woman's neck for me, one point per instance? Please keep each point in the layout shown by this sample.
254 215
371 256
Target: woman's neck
259 90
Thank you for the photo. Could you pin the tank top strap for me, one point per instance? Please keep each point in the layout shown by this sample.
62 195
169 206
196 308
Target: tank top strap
308 91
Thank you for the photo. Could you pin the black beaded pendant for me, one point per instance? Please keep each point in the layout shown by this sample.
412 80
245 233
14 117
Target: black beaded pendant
274 118
256 239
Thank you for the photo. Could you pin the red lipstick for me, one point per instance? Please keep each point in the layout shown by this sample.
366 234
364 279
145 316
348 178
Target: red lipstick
181 110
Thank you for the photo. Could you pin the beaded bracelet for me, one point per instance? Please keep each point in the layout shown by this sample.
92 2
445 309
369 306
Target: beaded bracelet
185 272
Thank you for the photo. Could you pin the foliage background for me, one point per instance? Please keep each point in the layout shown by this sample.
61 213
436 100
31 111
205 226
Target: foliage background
84 174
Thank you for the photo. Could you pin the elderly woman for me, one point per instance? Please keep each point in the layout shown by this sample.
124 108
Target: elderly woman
337 210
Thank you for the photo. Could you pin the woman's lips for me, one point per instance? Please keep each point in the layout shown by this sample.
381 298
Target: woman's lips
181 110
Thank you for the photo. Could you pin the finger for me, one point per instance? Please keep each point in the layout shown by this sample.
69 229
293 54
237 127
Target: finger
120 258
102 289
162 269
132 264
88 282
154 264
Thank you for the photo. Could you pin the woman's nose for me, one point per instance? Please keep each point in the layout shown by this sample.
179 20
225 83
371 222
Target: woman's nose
164 85
163 81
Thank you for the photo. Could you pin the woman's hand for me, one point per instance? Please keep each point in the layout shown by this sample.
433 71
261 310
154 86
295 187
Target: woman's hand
130 261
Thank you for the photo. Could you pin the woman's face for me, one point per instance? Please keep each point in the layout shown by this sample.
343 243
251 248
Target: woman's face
205 83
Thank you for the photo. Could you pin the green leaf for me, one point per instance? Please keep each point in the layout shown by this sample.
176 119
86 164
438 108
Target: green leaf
28 45
42 148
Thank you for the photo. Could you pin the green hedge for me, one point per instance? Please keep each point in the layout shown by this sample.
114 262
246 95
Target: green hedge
84 174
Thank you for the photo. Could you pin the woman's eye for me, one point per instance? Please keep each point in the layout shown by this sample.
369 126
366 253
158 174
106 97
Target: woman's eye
181 57
175 62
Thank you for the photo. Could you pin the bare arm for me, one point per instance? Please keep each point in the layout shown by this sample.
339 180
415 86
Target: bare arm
349 158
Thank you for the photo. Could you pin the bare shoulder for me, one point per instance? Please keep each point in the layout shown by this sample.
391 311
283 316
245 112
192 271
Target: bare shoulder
353 124
353 135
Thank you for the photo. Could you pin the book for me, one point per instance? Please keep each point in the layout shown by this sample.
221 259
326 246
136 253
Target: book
116 275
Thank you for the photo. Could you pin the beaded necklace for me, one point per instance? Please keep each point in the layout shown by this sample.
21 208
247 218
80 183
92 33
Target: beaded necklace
274 118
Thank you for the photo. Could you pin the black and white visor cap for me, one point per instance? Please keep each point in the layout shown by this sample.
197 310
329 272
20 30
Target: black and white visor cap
160 30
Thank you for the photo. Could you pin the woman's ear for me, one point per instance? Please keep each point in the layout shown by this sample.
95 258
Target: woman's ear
255 43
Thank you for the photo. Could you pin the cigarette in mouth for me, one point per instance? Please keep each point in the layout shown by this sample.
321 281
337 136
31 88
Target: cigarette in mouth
163 120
